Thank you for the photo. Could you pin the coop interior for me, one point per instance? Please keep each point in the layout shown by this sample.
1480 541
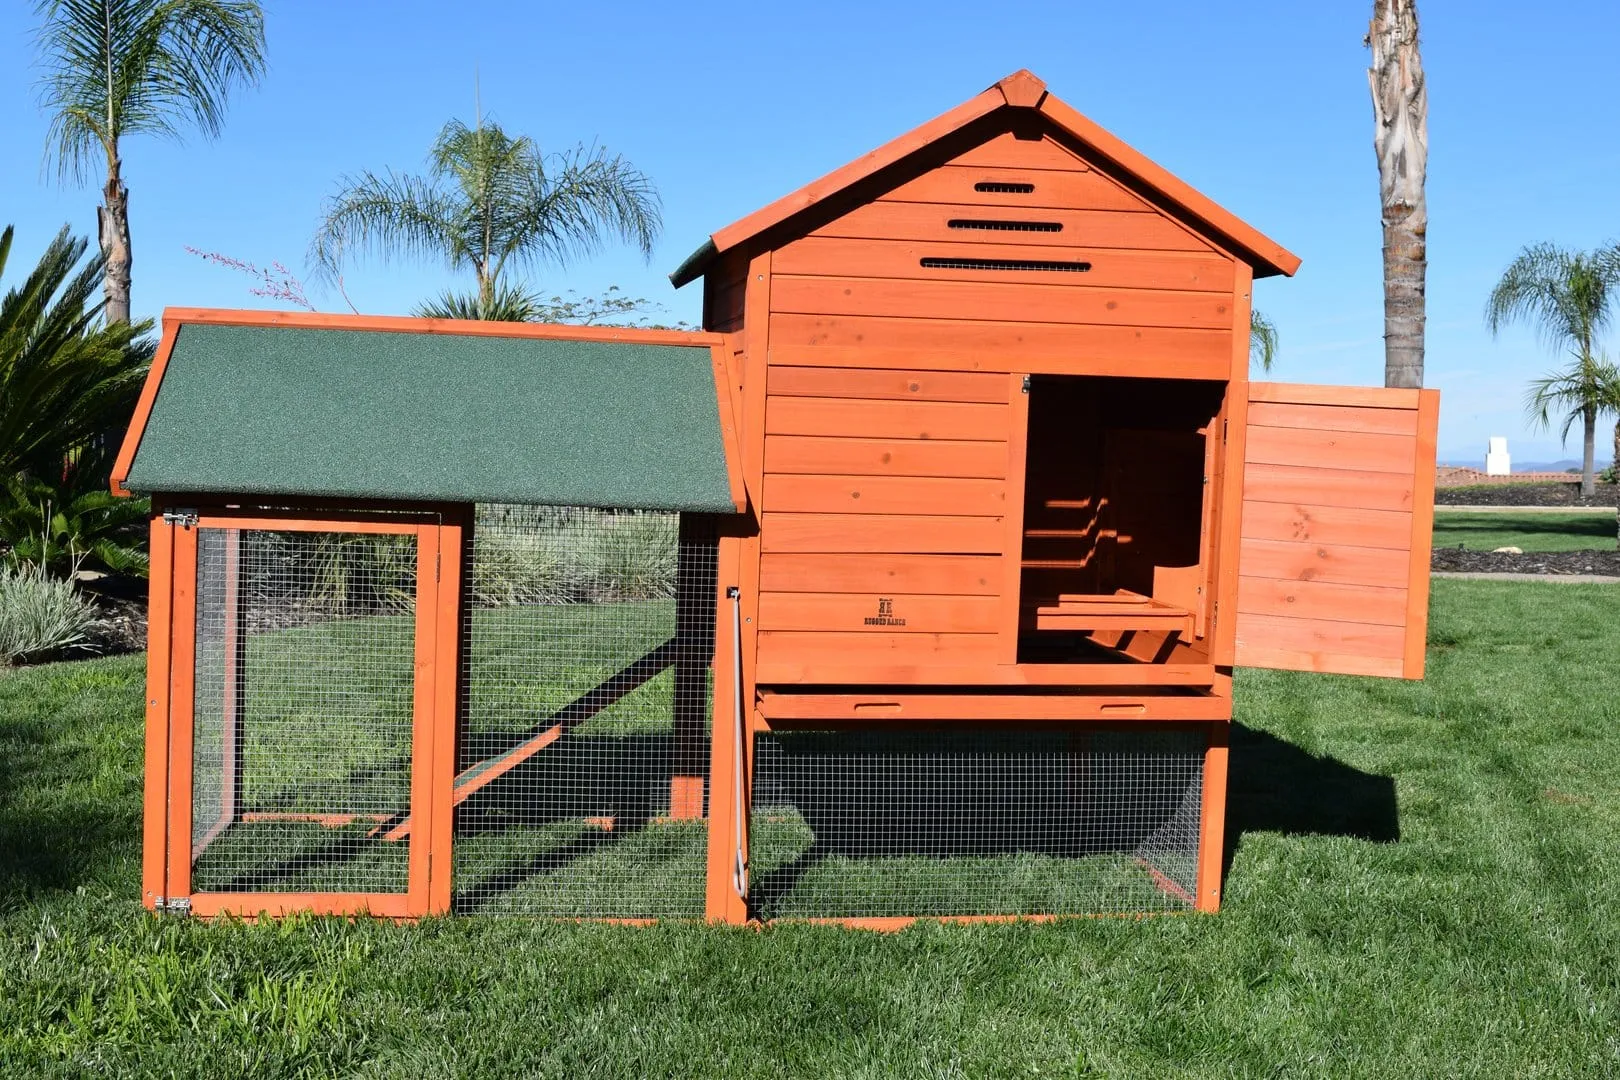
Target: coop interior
1118 519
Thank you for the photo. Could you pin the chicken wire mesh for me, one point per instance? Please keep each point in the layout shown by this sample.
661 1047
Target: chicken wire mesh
950 821
302 710
584 747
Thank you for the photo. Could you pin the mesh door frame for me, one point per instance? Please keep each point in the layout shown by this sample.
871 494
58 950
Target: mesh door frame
168 826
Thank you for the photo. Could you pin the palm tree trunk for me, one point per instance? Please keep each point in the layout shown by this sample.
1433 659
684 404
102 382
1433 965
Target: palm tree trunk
1589 416
112 220
1401 140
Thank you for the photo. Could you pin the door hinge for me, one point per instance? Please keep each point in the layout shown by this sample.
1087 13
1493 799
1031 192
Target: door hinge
186 519
174 905
1026 384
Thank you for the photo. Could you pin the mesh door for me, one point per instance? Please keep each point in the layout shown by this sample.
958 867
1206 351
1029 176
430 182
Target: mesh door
944 821
579 788
302 710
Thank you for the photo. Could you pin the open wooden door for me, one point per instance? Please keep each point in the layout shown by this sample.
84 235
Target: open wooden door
1338 512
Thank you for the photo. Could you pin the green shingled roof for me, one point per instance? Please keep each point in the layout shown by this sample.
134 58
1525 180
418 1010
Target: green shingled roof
418 416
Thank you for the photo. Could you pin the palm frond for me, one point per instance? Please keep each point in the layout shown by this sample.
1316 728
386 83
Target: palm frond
503 303
1262 340
385 216
1567 395
1567 297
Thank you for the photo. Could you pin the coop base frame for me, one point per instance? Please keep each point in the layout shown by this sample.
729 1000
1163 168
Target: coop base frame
442 534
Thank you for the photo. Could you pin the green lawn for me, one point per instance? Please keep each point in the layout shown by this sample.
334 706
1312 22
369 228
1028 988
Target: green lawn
1424 883
1592 531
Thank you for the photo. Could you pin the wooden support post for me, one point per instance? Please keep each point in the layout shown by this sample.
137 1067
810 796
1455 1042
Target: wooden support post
449 699
154 816
1212 822
721 902
695 640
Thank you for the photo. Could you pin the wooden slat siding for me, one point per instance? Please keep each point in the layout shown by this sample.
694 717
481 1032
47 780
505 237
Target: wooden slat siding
780 650
1328 487
1325 600
1006 301
849 612
976 708
1009 151
867 672
1384 568
1080 228
1312 635
1328 525
1318 418
1056 189
886 384
1351 450
886 419
912 535
884 457
1322 662
843 572
1337 397
1040 348
1417 594
805 493
820 256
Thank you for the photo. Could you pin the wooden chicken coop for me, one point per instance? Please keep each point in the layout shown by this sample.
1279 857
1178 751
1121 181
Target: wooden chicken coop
958 556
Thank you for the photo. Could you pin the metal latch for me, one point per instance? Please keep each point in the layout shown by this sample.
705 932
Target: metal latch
174 905
1026 384
184 518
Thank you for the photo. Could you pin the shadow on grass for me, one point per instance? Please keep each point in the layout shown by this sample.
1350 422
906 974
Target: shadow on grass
1274 786
1596 526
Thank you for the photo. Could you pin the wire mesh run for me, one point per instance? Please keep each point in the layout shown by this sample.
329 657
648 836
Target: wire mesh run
580 779
302 710
941 821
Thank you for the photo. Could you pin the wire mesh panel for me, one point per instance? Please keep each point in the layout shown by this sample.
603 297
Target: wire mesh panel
953 821
302 710
580 779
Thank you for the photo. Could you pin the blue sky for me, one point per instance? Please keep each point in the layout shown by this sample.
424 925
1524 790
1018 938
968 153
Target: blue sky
1261 105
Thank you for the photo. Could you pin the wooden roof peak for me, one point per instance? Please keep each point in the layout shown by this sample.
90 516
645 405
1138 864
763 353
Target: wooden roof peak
1022 90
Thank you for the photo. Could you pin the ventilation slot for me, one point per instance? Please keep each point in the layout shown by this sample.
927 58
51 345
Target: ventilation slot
1006 264
999 187
981 225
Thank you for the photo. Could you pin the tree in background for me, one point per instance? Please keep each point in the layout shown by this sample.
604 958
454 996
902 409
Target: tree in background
1262 340
490 202
1569 298
1401 140
124 67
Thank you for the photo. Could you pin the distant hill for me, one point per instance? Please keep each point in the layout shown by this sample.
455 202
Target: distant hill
1468 461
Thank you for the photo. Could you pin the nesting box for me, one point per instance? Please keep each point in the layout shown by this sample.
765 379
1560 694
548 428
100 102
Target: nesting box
911 585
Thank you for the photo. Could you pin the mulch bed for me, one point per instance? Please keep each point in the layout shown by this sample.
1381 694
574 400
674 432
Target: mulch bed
1527 495
1538 562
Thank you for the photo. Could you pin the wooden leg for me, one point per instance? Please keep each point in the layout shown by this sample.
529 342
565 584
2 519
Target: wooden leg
1212 829
695 607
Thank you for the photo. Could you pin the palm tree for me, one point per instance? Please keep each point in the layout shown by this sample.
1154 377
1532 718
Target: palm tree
1569 296
64 377
489 202
1401 140
1262 340
124 67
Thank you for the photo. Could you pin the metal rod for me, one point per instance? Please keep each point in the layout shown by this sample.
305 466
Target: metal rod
739 872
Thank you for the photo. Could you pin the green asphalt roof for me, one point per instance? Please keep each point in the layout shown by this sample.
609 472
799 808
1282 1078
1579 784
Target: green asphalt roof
417 416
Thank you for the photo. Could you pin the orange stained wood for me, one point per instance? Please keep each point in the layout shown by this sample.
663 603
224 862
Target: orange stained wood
1351 450
1212 818
783 650
979 707
843 572
1332 601
182 679
851 456
1289 560
964 223
1009 617
1233 418
860 418
1417 591
1014 150
858 670
143 406
953 344
806 493
1353 526
901 613
721 902
1007 301
1329 487
869 383
310 320
917 534
1006 262
1022 188
730 436
154 802
454 538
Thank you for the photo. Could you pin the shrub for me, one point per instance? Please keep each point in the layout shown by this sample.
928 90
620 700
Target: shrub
632 557
40 615
77 523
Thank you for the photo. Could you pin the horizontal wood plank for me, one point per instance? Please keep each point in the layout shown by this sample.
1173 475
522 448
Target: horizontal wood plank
1053 189
1371 397
1328 525
886 419
964 345
884 457
940 575
886 384
826 256
788 649
1320 636
1287 560
1007 150
1075 228
980 707
1324 600
875 613
1320 660
857 669
1004 301
920 535
1351 450
808 493
1332 418
1327 487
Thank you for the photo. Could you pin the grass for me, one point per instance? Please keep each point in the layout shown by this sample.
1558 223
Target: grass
1528 532
1422 884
